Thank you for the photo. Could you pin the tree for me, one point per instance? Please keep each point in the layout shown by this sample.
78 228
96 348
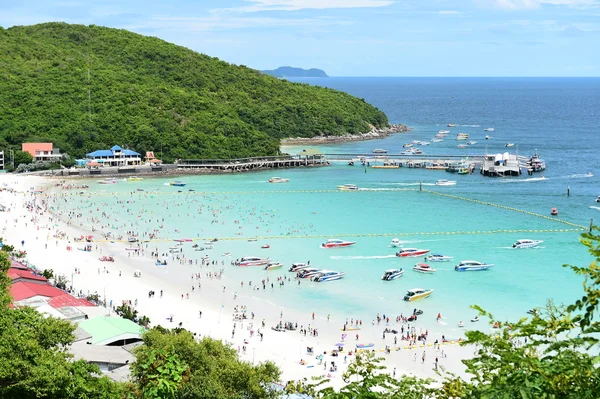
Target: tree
160 373
5 281
22 157
214 368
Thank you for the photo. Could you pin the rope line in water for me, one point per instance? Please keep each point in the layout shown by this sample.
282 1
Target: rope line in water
353 235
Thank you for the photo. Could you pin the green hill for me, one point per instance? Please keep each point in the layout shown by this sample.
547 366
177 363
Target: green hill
147 94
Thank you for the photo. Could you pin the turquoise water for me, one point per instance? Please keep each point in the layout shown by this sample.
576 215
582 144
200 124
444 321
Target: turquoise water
309 205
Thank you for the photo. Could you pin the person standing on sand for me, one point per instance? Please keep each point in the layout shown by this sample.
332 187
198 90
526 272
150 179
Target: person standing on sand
423 357
313 315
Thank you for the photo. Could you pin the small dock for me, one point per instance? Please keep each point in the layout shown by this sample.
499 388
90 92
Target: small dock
394 161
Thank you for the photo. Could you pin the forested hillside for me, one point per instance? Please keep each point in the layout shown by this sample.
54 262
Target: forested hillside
89 87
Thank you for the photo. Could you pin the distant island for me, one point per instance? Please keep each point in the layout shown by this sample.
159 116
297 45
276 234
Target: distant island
291 72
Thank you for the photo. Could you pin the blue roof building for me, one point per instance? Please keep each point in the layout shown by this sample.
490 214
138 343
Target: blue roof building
116 156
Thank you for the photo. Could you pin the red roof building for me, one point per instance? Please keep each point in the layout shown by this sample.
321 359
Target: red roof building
67 300
20 275
41 151
25 290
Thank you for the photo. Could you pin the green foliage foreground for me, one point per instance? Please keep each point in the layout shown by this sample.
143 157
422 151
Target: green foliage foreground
147 94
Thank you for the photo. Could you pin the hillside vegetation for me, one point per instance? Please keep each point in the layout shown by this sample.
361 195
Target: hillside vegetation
147 94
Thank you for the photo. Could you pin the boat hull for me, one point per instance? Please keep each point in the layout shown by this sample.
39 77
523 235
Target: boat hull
472 268
417 297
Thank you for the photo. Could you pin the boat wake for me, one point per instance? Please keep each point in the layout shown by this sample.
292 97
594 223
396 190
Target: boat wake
576 176
363 257
526 180
407 184
595 207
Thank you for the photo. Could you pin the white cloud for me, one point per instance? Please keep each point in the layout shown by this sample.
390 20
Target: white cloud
204 24
531 4
294 5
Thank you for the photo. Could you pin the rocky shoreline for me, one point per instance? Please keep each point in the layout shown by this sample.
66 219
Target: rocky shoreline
372 135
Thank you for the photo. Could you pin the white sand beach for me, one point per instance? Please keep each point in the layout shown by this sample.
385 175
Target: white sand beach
178 305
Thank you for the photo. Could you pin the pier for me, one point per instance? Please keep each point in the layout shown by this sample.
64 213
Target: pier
309 158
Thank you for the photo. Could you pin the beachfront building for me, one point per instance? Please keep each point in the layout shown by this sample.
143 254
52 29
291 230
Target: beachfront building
501 165
151 159
116 156
42 151
112 331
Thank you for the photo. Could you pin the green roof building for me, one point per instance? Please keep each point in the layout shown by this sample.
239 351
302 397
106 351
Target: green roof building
114 331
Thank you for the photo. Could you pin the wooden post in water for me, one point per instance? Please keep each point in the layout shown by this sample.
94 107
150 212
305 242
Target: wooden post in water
420 186
568 191
591 224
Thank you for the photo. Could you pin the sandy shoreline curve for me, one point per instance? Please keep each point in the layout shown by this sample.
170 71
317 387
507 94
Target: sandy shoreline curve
217 294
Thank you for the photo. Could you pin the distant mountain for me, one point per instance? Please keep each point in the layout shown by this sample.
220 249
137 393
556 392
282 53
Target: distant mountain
291 72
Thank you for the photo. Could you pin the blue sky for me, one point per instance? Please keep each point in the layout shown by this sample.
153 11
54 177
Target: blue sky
357 37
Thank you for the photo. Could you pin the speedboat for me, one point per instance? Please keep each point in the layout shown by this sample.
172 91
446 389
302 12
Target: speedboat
554 212
327 275
396 243
461 324
308 272
535 163
509 144
266 246
472 265
347 187
445 183
296 267
278 180
335 243
438 258
471 142
253 261
462 136
444 132
598 199
423 268
488 137
134 178
392 274
417 293
475 319
108 181
462 146
411 252
379 151
436 140
451 124
177 183
273 266
489 129
526 243
407 145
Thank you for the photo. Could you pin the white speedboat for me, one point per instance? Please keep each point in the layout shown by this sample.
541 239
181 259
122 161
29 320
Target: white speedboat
439 258
445 183
437 140
471 142
396 243
444 132
108 181
509 144
379 151
296 267
327 275
423 268
308 272
273 266
489 129
472 265
527 243
392 274
462 146
335 243
253 261
417 293
278 180
347 187
598 199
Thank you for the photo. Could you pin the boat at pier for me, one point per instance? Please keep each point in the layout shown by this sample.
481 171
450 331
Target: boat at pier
411 252
327 275
253 261
423 268
379 151
336 243
108 181
417 293
472 265
278 180
535 163
527 243
392 274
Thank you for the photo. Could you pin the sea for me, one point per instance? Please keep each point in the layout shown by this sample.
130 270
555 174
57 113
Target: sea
477 219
